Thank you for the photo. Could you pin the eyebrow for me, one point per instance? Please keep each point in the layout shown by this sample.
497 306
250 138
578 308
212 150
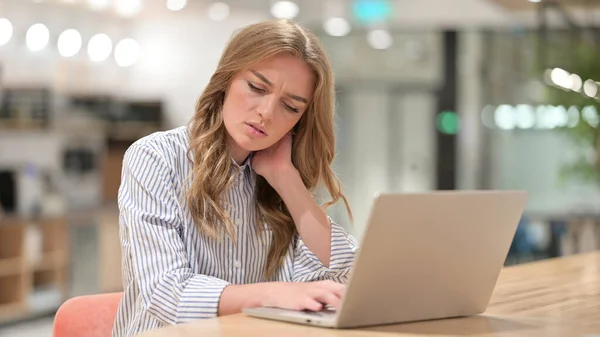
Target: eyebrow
269 83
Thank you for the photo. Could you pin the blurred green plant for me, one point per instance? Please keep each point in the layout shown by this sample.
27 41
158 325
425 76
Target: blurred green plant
579 57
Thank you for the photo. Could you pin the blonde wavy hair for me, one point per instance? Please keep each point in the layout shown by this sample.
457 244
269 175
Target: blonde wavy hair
313 145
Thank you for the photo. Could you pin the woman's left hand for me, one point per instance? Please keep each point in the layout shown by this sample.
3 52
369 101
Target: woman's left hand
275 161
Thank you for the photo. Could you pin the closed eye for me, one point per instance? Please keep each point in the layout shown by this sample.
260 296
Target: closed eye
255 88
292 109
262 91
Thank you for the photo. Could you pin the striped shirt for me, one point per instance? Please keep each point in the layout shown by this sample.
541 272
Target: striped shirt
172 272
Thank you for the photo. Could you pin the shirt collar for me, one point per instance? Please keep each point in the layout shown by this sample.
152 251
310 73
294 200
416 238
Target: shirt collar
245 166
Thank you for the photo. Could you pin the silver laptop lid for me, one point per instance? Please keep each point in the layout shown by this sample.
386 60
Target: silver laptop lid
431 255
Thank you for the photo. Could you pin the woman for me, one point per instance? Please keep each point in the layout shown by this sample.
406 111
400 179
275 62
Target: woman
219 216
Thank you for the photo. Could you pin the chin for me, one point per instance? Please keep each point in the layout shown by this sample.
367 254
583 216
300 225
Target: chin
250 144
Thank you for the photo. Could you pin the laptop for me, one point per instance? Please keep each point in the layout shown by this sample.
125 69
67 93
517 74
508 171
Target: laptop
422 257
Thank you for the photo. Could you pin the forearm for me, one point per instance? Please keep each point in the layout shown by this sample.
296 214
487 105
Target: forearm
180 297
240 296
311 221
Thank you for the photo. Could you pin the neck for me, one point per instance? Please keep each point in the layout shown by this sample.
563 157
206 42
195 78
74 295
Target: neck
237 153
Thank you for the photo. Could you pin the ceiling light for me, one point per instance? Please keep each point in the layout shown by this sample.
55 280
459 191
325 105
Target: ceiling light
127 52
285 10
380 39
99 4
535 1
69 43
371 11
336 27
590 88
218 11
37 37
590 115
561 78
128 7
504 117
524 116
176 5
6 31
576 83
99 47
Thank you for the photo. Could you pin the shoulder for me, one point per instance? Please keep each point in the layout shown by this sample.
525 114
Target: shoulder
163 142
165 151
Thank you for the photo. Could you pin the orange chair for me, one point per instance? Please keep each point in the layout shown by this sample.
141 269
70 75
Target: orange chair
87 316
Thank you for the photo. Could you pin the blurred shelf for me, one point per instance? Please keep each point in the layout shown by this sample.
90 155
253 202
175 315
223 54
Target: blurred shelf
13 311
21 125
29 289
51 260
11 266
19 312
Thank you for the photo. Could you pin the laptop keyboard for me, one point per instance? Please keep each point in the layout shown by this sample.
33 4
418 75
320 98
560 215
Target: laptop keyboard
322 313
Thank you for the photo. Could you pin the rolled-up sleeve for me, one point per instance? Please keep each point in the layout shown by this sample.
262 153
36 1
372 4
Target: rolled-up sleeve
308 267
153 251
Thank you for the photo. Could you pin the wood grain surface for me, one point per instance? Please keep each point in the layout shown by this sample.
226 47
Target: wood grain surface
555 297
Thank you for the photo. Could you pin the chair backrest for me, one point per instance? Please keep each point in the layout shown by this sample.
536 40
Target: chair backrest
87 316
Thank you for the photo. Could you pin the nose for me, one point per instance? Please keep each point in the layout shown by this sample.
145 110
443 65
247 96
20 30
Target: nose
266 108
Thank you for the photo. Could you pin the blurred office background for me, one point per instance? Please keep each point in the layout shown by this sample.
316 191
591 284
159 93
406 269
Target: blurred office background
432 95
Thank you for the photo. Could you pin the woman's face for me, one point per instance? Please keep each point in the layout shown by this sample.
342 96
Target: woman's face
264 103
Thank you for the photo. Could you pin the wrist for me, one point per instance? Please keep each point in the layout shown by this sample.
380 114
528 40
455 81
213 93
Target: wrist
283 177
237 297
268 294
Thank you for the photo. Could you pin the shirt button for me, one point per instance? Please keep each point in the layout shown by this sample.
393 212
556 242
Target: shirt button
237 264
238 221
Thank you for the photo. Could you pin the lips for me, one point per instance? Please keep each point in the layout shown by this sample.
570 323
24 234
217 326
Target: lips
257 127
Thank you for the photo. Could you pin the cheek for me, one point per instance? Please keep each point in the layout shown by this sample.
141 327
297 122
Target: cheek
287 123
236 103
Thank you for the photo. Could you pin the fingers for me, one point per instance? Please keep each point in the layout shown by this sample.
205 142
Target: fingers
337 288
313 296
312 304
329 294
330 299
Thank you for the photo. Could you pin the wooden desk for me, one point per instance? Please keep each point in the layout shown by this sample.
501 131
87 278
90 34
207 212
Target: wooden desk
557 297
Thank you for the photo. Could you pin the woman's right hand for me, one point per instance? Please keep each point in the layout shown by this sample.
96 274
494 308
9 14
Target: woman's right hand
312 296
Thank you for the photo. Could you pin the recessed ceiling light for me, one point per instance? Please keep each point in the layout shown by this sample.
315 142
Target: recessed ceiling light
176 5
336 27
127 52
128 7
6 31
285 9
37 37
380 39
218 11
99 47
69 43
